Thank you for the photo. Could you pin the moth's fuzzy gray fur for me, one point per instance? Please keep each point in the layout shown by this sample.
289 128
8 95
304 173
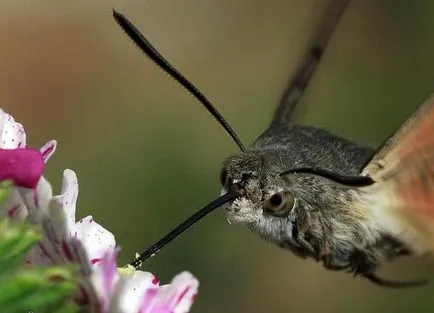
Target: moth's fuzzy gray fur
329 218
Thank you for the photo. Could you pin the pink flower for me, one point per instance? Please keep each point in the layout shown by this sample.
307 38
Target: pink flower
65 241
23 166
103 288
130 291
82 242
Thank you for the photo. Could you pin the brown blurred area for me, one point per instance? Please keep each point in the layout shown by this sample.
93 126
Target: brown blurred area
147 155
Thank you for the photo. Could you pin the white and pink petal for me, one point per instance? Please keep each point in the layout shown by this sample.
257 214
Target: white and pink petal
48 150
95 239
131 289
103 279
14 207
12 134
177 297
62 207
37 199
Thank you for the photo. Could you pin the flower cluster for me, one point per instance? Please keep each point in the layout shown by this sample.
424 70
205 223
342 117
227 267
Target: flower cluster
103 288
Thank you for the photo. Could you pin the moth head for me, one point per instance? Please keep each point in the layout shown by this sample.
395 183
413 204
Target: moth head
265 196
271 197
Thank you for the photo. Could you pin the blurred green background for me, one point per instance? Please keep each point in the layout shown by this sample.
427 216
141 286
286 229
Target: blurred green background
147 155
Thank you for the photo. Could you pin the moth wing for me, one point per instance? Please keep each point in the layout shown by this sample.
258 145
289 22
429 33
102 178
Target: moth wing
403 170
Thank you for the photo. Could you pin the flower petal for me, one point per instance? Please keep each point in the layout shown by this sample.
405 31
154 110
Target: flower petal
37 200
95 239
131 290
104 278
23 166
62 207
48 150
40 255
12 134
177 297
14 207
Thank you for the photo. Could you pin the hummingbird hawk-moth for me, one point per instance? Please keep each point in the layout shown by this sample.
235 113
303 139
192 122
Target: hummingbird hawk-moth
320 195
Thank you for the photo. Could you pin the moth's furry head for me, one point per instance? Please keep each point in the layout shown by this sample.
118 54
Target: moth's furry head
317 202
257 172
326 218
259 180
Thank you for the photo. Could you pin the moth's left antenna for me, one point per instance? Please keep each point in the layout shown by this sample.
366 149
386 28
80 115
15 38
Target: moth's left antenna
155 56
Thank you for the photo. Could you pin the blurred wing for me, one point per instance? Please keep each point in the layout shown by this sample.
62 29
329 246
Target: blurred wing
403 170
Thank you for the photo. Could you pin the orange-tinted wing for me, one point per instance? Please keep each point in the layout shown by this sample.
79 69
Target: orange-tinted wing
404 173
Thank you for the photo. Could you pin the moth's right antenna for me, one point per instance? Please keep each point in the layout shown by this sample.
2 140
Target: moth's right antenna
155 56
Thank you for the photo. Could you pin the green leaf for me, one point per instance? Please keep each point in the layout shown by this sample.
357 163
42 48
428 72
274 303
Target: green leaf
39 290
46 289
16 239
5 188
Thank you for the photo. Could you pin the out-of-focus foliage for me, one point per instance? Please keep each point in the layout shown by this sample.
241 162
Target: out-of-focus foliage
147 155
41 290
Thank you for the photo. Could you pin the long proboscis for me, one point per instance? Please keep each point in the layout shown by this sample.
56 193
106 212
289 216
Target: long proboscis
155 56
155 248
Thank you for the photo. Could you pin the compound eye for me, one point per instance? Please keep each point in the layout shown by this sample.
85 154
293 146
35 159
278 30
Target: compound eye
280 204
223 177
